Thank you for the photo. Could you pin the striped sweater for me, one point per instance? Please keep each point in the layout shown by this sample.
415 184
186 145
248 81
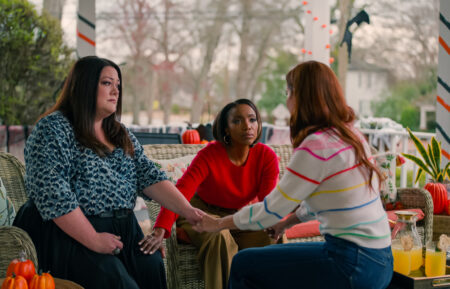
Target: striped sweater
324 174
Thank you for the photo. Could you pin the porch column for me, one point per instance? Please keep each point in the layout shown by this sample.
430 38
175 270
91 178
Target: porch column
443 87
317 30
86 28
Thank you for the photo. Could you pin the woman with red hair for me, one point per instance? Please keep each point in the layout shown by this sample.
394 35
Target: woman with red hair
331 174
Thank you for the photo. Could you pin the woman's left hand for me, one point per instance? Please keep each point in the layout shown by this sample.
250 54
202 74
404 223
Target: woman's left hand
153 242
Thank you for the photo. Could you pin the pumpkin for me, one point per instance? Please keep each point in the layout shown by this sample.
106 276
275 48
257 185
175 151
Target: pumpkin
439 195
21 267
447 210
42 281
204 141
15 282
190 136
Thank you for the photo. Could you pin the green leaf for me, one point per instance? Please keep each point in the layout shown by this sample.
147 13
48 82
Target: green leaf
436 148
433 162
447 169
419 163
419 174
420 148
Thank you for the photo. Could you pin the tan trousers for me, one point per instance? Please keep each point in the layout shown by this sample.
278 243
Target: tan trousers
216 250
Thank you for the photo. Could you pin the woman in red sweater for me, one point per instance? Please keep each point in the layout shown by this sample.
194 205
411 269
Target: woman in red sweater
223 177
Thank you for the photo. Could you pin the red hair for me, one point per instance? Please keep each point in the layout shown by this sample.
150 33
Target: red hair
320 104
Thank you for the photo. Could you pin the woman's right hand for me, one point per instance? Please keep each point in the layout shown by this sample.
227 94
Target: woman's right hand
106 243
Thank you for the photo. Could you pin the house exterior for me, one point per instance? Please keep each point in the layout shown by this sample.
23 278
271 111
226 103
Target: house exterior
364 84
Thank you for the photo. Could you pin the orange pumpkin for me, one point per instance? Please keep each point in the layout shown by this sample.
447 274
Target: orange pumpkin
15 282
42 281
447 210
21 267
204 141
190 136
438 193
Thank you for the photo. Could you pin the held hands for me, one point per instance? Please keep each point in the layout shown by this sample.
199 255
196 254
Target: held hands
277 230
207 224
194 215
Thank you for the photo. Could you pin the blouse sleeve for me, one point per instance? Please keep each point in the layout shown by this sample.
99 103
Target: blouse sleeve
270 174
187 184
48 158
302 177
146 171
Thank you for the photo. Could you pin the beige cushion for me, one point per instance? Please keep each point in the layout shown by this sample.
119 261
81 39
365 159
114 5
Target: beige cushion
174 168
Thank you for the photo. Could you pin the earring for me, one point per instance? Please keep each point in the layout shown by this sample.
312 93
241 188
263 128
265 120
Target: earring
227 139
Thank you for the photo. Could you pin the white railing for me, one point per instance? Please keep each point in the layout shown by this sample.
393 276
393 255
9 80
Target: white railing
398 142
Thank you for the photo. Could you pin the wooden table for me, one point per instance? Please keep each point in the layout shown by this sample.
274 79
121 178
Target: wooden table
60 284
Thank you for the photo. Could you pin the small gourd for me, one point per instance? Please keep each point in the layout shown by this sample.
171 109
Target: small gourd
15 282
42 281
21 267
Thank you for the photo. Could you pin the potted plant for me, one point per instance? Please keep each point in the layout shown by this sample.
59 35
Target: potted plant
430 164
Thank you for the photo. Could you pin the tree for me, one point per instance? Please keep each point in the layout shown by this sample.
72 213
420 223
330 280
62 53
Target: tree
274 82
33 60
402 102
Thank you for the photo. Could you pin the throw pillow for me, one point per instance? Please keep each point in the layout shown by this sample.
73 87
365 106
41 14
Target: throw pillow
174 168
387 163
7 212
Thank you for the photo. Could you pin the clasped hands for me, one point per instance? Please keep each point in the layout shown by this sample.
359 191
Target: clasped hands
203 222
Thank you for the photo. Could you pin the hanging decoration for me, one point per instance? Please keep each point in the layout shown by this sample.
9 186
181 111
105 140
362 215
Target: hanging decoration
361 17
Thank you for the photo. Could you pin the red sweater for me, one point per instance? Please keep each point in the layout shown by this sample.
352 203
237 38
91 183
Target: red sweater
219 182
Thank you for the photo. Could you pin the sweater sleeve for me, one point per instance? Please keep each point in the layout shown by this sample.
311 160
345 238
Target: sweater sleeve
302 177
187 184
270 174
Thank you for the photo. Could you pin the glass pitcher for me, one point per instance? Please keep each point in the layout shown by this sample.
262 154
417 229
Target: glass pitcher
406 243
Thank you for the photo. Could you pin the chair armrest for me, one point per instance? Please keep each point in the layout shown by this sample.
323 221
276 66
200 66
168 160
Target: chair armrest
421 199
13 240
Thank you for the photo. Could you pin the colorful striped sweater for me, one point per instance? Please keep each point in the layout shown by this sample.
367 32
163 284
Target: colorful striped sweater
324 174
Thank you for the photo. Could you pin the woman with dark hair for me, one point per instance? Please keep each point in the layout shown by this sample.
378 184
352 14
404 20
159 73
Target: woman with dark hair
332 175
223 177
84 170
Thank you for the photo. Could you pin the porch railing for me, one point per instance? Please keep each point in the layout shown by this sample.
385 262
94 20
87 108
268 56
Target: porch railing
398 142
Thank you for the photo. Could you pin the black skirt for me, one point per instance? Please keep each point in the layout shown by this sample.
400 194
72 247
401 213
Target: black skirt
66 258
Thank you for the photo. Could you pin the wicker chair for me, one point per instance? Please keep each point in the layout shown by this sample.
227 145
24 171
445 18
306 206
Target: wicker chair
13 239
183 269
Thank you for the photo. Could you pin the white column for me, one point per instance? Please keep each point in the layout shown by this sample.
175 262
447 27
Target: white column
443 88
86 28
317 30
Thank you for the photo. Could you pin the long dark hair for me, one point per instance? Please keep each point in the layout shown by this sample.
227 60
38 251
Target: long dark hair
320 104
78 102
220 123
